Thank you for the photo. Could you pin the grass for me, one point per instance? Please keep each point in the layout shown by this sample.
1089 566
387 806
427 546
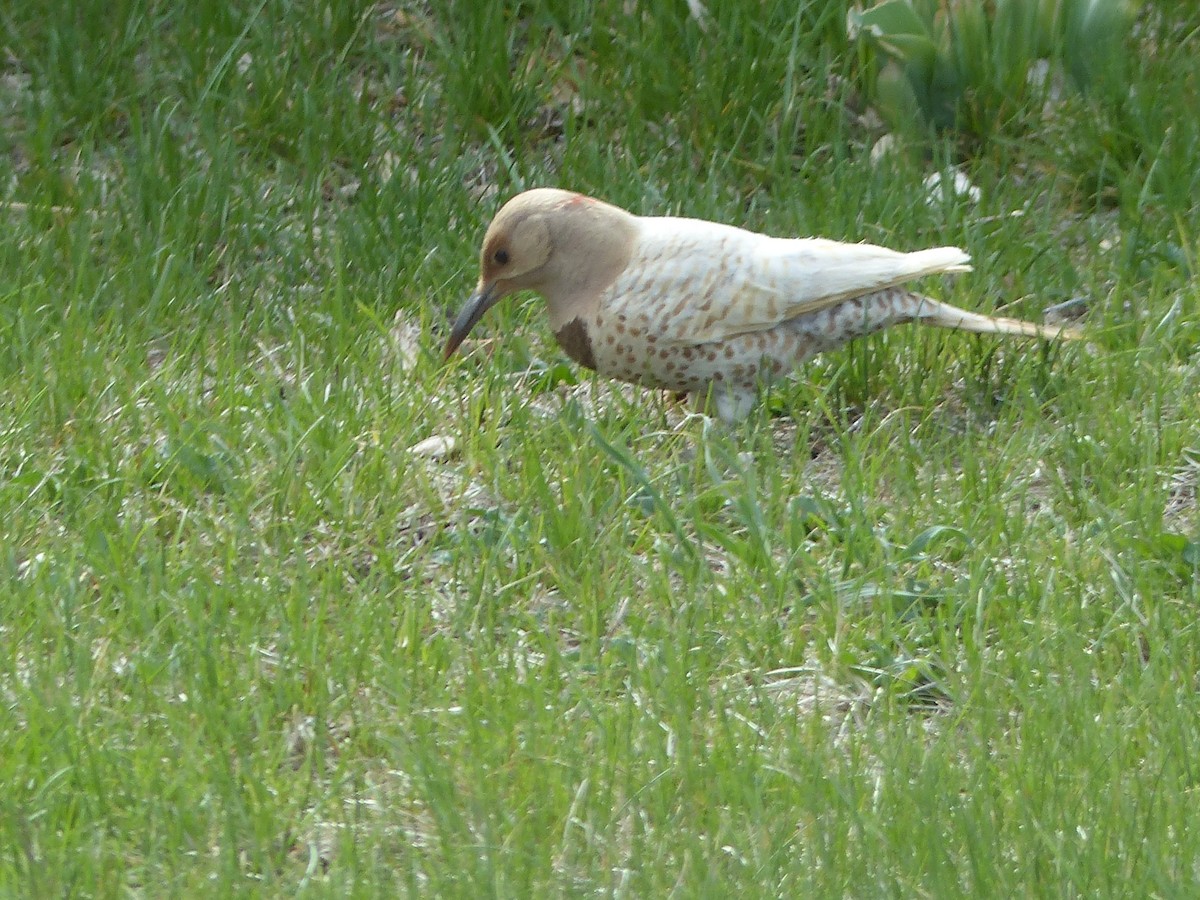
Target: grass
926 625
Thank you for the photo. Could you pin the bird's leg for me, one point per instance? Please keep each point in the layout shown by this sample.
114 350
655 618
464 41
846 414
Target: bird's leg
730 404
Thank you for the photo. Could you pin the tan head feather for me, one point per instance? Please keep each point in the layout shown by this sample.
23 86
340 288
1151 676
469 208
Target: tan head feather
562 245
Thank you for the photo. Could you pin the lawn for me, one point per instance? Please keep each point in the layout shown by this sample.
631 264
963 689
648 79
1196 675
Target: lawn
289 606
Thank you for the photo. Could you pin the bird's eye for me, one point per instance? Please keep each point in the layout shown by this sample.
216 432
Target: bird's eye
501 257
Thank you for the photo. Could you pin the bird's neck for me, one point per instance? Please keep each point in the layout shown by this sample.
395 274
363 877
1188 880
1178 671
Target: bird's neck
574 282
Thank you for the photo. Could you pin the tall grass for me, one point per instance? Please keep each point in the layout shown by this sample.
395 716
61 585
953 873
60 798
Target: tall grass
925 625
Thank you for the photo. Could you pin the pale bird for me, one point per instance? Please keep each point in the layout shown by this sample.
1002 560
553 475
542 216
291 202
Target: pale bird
698 307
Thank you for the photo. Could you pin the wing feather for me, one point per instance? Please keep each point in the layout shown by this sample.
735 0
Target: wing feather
710 282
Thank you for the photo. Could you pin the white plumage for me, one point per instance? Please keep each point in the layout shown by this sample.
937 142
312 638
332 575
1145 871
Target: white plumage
701 307
729 281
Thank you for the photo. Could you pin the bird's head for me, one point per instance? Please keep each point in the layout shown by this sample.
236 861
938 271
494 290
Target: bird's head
544 240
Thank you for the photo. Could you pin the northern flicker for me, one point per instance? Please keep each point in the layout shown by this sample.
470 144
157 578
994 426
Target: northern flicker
699 307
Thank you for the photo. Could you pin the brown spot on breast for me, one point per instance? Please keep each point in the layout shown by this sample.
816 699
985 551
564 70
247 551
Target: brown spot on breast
574 339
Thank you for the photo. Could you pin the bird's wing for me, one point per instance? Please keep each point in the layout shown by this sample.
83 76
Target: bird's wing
711 282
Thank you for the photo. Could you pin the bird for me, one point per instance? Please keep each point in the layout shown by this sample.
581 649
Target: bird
703 308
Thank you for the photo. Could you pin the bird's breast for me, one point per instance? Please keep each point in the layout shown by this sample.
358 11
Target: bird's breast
577 342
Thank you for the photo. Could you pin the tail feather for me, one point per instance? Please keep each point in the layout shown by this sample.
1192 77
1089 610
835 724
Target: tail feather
935 261
946 316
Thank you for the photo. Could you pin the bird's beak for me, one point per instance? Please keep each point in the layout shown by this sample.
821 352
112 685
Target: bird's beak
481 301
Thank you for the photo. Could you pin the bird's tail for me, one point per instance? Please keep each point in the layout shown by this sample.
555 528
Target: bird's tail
936 260
946 316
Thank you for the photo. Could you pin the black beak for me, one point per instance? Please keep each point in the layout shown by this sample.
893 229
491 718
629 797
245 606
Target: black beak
479 303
